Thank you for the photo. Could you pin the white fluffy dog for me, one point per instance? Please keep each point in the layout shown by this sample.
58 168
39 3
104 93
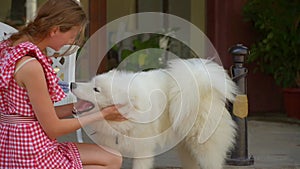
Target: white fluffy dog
183 105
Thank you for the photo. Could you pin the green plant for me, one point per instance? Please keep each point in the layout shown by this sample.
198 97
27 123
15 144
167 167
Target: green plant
277 50
144 54
148 52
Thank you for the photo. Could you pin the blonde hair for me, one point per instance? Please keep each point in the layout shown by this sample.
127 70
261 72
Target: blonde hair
62 13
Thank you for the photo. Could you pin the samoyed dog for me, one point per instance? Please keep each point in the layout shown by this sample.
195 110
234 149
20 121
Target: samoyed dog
182 106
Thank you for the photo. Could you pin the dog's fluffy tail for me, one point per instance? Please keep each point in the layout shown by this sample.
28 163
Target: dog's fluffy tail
198 92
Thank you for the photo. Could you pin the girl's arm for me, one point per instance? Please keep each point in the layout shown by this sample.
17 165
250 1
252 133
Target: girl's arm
64 110
31 76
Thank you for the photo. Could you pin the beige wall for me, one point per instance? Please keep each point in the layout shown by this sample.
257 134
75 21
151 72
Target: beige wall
5 9
198 13
191 10
117 8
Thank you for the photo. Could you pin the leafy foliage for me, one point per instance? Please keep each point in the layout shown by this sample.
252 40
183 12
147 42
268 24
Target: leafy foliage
277 51
144 55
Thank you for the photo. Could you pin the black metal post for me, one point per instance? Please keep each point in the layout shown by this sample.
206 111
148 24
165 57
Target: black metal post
239 155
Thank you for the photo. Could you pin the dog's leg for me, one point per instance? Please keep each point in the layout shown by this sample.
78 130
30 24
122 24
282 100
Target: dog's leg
212 153
187 161
143 163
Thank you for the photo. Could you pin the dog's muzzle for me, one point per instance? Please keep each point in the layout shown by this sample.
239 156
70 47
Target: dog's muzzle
81 106
73 85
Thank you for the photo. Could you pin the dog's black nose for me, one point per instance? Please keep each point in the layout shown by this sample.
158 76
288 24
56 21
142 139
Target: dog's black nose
73 85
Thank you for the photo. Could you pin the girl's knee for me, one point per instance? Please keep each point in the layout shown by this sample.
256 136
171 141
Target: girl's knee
116 161
116 158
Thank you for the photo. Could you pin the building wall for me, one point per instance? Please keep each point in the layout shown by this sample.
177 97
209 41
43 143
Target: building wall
198 14
222 21
5 10
225 28
117 8
191 10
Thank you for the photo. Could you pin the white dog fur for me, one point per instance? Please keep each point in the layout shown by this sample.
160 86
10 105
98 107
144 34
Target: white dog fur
183 104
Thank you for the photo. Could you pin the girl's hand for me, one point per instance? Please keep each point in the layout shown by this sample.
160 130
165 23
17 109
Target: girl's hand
111 113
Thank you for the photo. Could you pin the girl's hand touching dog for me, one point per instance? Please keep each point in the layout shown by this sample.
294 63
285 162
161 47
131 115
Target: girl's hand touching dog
111 113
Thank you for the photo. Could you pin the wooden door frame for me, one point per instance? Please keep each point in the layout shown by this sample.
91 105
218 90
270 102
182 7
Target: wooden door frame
97 19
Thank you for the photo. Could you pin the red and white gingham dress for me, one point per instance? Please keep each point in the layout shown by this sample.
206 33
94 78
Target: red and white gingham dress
26 145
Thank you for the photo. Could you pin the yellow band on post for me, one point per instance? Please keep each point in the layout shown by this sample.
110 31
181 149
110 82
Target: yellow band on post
240 106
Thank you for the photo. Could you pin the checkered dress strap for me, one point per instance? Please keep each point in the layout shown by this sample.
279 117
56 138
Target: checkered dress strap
22 64
9 56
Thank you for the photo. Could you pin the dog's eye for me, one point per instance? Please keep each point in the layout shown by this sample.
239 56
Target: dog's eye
96 90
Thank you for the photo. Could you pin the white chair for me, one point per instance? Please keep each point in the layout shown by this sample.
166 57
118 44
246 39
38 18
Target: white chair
64 66
6 31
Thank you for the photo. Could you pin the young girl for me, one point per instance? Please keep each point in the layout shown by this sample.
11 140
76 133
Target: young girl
29 123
